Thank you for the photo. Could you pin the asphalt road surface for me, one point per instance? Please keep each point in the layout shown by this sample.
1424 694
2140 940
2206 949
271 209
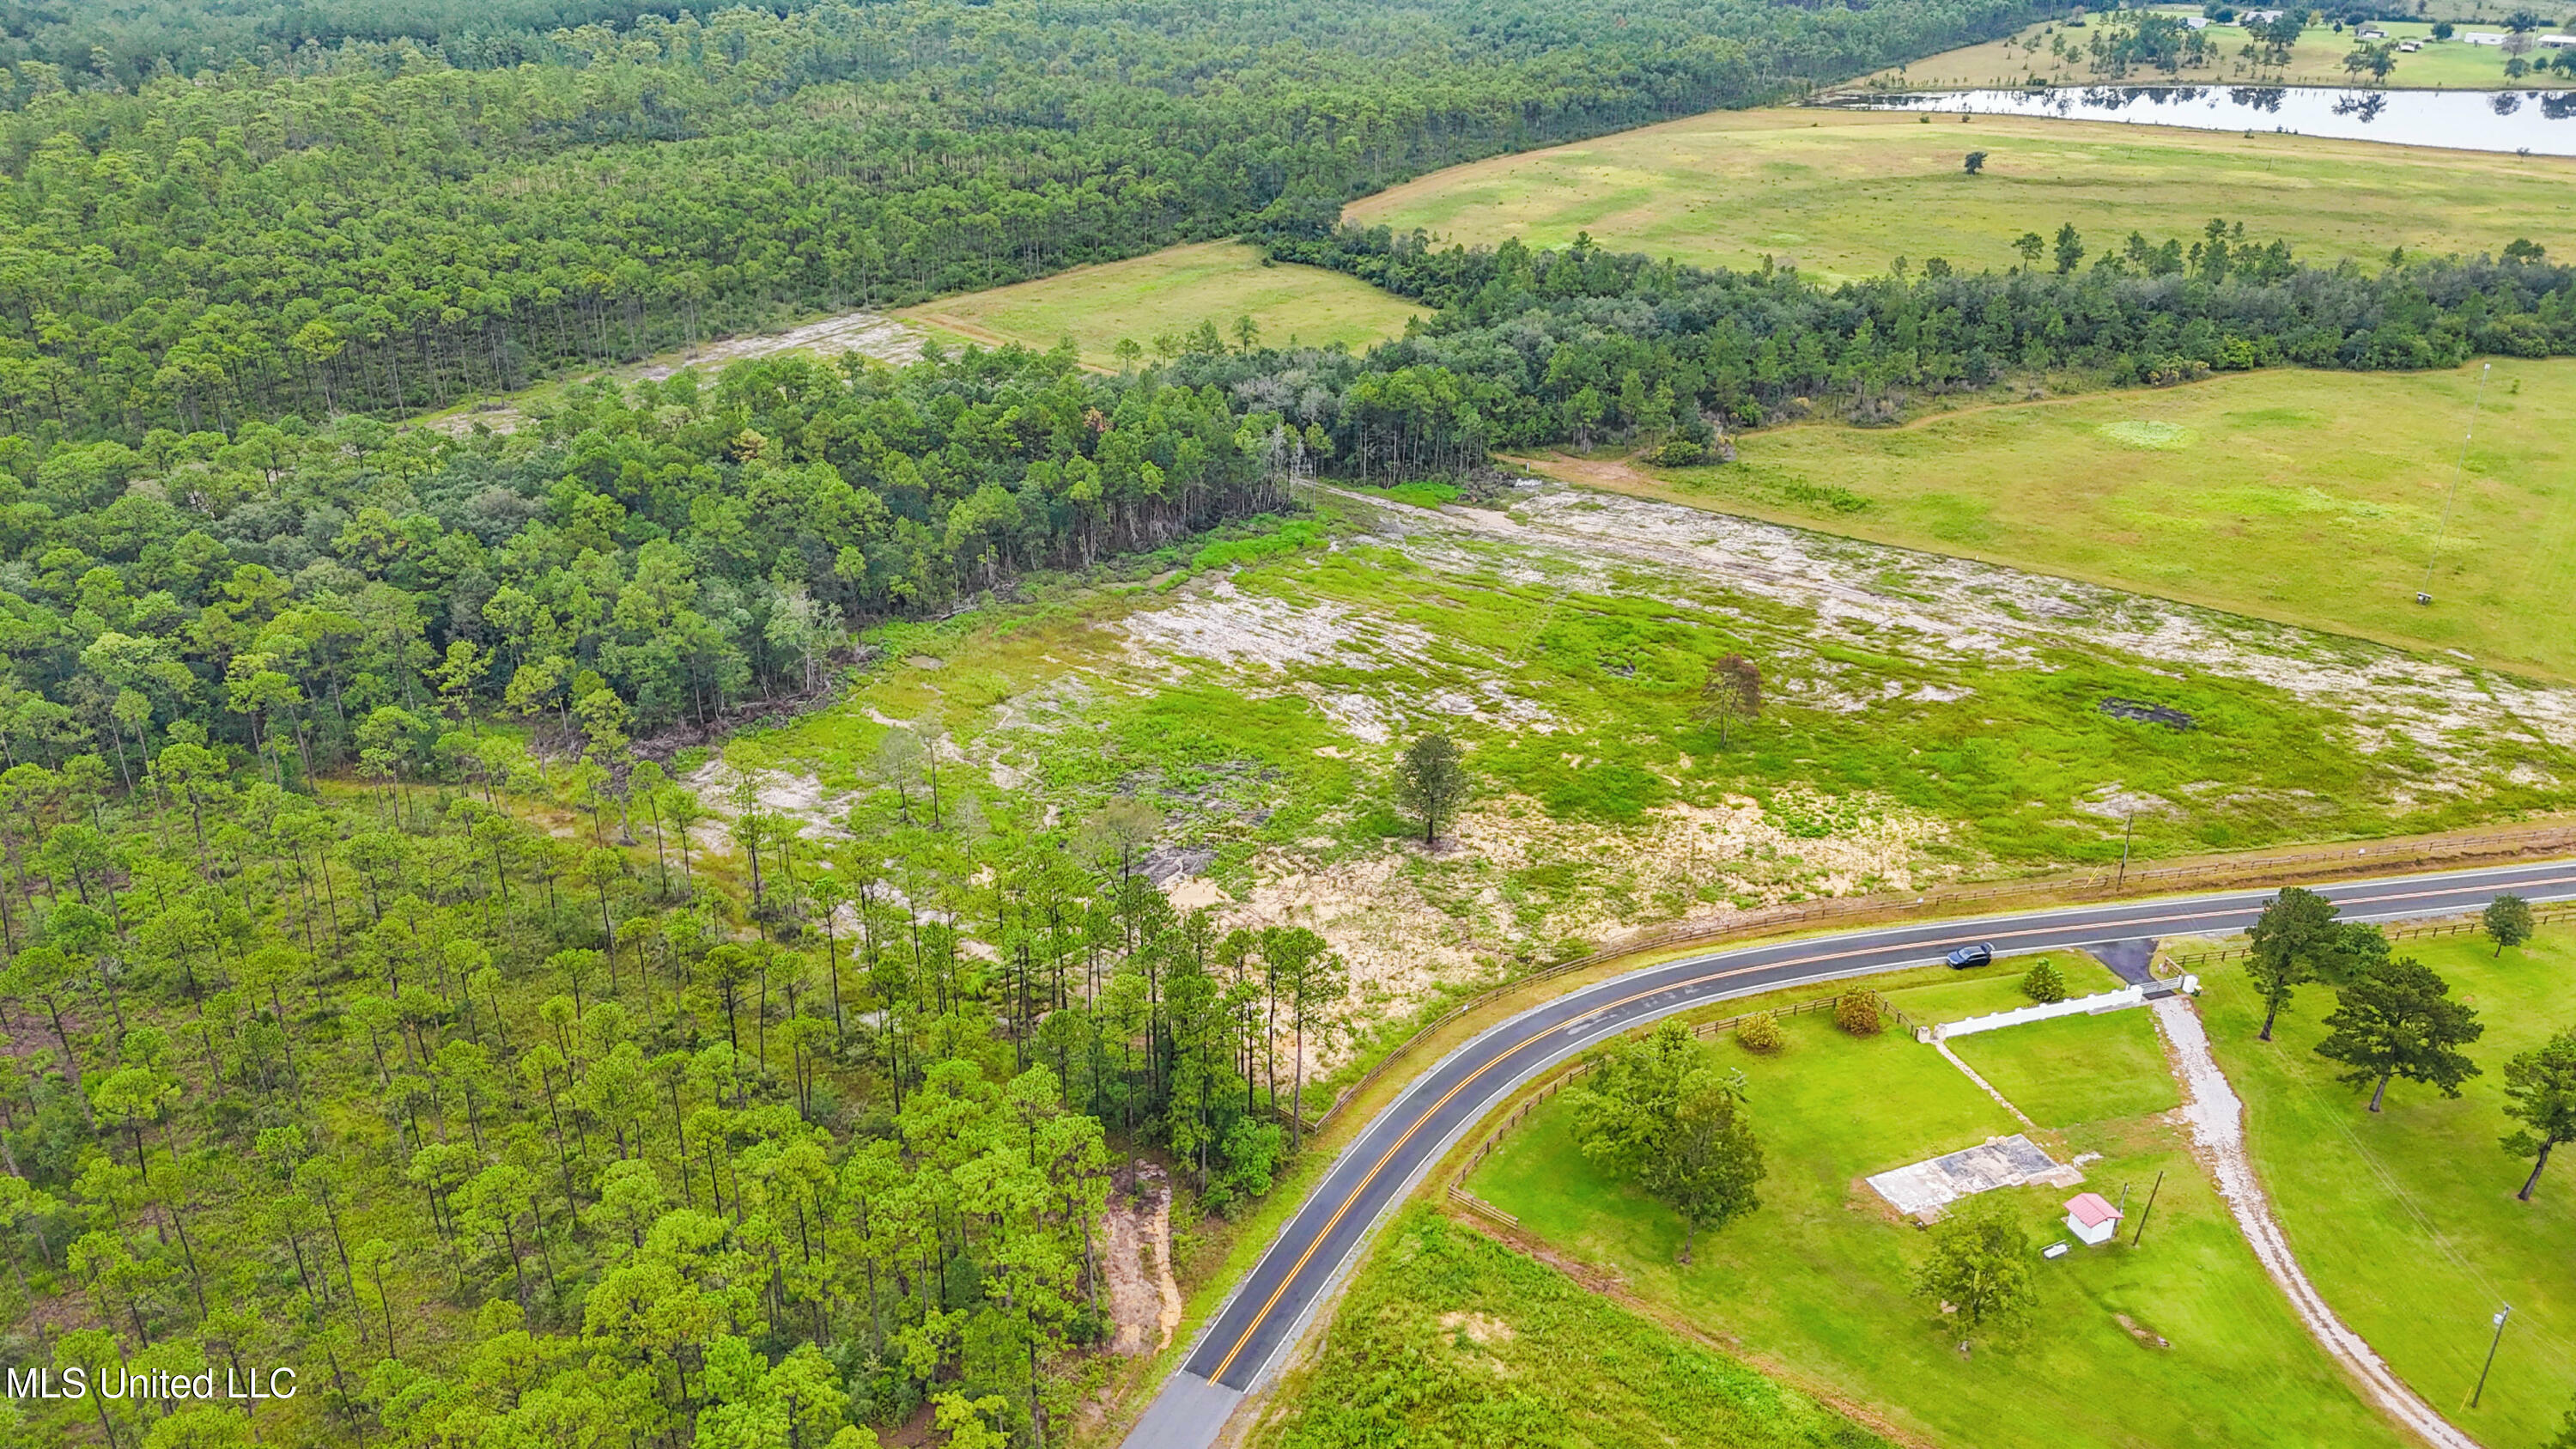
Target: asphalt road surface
1270 1309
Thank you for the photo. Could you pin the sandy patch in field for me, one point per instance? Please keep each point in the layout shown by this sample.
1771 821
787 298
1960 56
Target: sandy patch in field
1220 624
1385 916
799 797
1258 636
1961 608
870 334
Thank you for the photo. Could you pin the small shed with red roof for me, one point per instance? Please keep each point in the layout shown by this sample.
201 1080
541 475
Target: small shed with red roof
2091 1218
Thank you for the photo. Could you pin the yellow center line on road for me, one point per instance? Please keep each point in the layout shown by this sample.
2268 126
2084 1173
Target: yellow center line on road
1353 1196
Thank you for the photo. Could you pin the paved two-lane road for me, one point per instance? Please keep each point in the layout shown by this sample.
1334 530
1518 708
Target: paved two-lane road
1377 1170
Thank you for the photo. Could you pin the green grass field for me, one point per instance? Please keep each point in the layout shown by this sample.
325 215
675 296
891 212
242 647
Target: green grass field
2407 1221
1843 194
1958 995
1815 1281
2071 1070
2316 60
2308 497
1166 295
1447 1338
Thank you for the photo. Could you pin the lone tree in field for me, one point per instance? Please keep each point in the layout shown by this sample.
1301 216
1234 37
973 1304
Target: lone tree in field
2397 1020
2042 983
1662 1111
2070 248
1976 162
2507 919
2540 1093
1979 1272
1732 691
1432 781
2296 929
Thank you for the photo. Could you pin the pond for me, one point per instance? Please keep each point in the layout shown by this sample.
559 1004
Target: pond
2540 122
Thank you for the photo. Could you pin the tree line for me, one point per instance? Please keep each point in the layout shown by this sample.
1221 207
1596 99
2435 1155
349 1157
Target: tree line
383 226
1579 344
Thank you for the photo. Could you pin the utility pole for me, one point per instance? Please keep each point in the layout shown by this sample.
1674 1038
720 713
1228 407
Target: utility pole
2424 595
2126 833
2150 1207
2501 1315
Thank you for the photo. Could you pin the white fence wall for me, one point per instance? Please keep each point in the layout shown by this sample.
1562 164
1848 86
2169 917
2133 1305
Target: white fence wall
2081 1005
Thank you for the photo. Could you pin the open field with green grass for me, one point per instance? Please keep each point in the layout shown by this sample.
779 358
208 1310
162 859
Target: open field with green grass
1927 719
1166 295
2407 1221
2317 59
1446 1337
1958 995
1815 1282
2309 497
2071 1070
1844 193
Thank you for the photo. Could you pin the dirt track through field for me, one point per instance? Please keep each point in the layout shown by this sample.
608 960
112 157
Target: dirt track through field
2217 1120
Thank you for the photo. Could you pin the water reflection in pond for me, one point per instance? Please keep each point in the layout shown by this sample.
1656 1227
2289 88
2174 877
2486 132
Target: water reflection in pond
2540 122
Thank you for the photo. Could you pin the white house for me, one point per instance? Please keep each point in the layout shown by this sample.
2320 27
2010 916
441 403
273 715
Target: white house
2558 42
2091 1218
2373 33
2483 37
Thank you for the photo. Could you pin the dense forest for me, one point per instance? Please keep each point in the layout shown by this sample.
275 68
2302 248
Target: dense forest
1581 344
382 226
477 1102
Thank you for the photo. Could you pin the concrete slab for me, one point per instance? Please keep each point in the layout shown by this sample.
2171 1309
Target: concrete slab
1923 1189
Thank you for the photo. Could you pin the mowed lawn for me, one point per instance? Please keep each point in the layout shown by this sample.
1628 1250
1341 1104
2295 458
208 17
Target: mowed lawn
1958 995
2071 1070
1816 1280
1166 295
1843 194
2407 1220
2313 498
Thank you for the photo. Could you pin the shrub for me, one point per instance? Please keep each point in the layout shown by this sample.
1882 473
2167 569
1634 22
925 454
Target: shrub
1857 1012
1759 1032
1679 453
2042 984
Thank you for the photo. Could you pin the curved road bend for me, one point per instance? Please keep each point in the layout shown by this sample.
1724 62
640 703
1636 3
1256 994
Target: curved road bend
1377 1170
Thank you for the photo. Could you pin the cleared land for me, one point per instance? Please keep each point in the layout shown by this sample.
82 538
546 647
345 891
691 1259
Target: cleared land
1166 295
1926 718
2407 1221
1448 1338
1843 194
2309 497
2150 1346
2316 60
